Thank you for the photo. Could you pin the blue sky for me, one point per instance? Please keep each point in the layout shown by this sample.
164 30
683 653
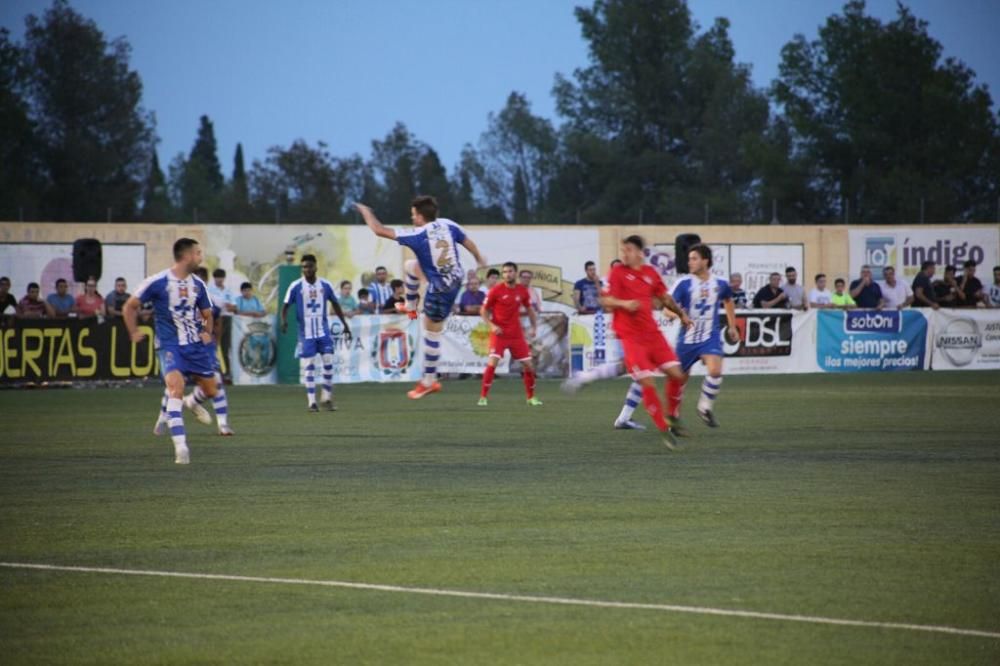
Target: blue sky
344 71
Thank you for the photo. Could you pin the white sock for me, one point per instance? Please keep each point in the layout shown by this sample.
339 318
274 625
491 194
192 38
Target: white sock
632 400
175 420
220 402
327 377
710 387
432 352
603 371
411 283
309 368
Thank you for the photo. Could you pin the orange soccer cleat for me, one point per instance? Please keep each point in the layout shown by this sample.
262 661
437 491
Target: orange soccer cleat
420 390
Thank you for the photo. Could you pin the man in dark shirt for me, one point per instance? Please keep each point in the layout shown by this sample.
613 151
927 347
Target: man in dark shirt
770 296
865 290
7 299
970 289
739 296
946 290
587 290
114 301
923 289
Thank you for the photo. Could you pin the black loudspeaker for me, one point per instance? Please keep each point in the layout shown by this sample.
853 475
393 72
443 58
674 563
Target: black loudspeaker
86 259
682 245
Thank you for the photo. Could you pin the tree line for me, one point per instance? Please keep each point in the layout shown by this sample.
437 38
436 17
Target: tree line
865 123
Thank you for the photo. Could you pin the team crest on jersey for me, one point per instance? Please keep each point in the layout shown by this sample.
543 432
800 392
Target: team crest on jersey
182 290
392 352
257 352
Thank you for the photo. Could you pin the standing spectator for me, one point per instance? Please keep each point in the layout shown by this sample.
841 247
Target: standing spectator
366 305
994 295
62 302
865 291
819 297
492 278
90 303
897 295
587 290
739 296
247 303
396 302
221 297
347 302
794 291
770 296
923 288
32 306
116 300
472 298
8 304
841 298
970 289
946 290
380 289
525 277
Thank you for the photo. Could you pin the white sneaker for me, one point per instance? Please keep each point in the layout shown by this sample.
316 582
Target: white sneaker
571 386
199 411
181 455
628 424
226 431
161 427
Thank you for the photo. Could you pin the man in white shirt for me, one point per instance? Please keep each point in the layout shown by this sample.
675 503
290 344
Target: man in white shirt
994 292
819 297
525 278
796 294
221 297
897 295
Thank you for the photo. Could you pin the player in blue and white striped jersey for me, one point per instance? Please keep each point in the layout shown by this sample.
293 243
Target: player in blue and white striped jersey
310 294
435 243
183 324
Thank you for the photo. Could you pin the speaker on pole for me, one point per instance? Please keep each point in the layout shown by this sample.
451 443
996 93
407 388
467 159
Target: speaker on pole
682 245
86 259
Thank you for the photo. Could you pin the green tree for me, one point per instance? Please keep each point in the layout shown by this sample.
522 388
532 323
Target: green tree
20 181
888 122
301 184
156 205
432 178
200 178
236 204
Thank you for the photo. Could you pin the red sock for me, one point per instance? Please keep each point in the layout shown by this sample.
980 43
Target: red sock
487 380
652 402
675 388
529 383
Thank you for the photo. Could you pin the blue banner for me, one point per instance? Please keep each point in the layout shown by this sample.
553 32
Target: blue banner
871 340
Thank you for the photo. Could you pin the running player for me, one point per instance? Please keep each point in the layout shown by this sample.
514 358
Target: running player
310 295
632 290
699 295
435 242
502 313
183 321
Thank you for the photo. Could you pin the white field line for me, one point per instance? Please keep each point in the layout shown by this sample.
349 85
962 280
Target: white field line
520 598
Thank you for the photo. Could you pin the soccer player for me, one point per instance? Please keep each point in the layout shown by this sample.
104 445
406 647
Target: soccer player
502 313
632 290
700 294
310 295
435 242
184 327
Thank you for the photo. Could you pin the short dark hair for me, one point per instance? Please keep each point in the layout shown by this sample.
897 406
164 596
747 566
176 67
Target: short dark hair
343 282
818 276
839 281
201 272
704 251
396 284
426 206
511 264
363 292
246 285
924 265
995 269
182 245
588 265
773 274
614 262
490 273
60 281
790 269
380 268
218 272
636 240
969 264
7 279
308 257
121 279
949 269
33 285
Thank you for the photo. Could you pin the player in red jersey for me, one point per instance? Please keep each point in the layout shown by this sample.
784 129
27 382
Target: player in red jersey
634 290
502 313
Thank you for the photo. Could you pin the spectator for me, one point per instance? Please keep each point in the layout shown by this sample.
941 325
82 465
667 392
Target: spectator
62 302
221 297
587 290
492 277
739 296
347 302
819 297
794 291
994 295
366 305
897 295
472 298
946 290
90 303
396 302
8 304
970 289
923 289
380 289
526 277
32 306
841 298
865 291
116 299
770 296
247 303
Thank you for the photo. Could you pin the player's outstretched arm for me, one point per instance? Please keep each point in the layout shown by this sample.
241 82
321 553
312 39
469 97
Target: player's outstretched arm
340 315
130 314
373 222
731 329
487 313
670 304
609 301
533 320
474 249
208 325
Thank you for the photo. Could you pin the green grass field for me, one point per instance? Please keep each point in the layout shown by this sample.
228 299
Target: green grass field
870 498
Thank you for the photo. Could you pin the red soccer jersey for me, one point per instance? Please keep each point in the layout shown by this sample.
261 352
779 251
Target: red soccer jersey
505 303
640 285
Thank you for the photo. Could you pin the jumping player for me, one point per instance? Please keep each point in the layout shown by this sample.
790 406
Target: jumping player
502 313
435 242
699 295
183 321
310 295
632 290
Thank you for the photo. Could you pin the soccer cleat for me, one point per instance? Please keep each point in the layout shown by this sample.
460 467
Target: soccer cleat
181 455
226 431
629 424
669 439
535 402
708 418
314 408
329 406
571 386
420 390
160 428
483 402
677 427
199 412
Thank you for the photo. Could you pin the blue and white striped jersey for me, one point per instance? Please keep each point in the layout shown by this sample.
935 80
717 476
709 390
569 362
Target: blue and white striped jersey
701 300
310 300
436 247
177 306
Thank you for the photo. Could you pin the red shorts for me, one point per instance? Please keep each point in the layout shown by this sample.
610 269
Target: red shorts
519 349
646 355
